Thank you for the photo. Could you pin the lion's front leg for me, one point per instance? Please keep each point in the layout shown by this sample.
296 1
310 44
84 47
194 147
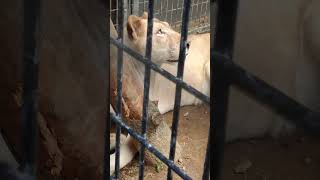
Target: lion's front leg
127 151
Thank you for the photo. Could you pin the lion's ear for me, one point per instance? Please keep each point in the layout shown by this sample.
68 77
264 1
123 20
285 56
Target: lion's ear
165 23
133 24
145 15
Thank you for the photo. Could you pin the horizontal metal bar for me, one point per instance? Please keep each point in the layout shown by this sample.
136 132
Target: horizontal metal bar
263 92
148 146
161 71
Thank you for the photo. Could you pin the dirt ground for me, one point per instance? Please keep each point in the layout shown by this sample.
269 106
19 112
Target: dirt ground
292 158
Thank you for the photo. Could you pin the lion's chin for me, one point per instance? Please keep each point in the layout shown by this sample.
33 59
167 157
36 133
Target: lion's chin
176 60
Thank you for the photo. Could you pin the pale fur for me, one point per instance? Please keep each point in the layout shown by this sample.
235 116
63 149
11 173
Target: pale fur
127 151
196 74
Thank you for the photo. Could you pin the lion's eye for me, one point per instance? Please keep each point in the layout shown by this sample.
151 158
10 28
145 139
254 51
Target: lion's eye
160 31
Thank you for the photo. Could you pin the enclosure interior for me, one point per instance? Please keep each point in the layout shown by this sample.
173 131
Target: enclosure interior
199 22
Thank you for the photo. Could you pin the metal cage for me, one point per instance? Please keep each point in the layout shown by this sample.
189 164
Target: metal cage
225 72
170 11
121 14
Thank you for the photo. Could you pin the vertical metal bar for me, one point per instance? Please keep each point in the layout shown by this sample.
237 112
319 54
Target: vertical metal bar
161 10
206 169
125 9
117 15
146 86
140 6
144 6
196 17
223 43
155 8
135 7
175 11
106 165
180 10
199 12
171 10
30 86
129 11
206 8
166 10
206 166
192 9
182 56
119 85
208 12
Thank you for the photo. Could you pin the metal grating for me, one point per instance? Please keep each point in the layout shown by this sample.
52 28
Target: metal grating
170 11
117 117
225 71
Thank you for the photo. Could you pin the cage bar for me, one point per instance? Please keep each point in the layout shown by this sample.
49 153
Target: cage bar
106 155
146 86
119 85
223 43
206 166
30 86
279 102
225 73
177 99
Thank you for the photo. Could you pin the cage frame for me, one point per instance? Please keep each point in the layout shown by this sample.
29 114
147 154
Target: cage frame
221 65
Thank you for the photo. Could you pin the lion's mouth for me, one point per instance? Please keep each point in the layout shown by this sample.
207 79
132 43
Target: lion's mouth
176 60
172 61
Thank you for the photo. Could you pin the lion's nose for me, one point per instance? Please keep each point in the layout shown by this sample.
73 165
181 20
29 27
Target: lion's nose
188 44
187 49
